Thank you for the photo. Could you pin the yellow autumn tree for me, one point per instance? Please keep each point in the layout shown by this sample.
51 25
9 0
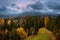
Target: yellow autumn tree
21 32
9 22
46 20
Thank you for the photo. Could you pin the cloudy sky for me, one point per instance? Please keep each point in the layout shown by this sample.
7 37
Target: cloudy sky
19 6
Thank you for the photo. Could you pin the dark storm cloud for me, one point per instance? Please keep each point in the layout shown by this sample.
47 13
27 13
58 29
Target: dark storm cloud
3 8
36 6
54 5
13 5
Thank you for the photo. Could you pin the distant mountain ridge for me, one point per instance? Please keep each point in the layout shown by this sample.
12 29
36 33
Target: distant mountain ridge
7 16
34 13
30 13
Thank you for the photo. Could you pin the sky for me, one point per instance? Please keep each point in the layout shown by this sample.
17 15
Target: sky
19 6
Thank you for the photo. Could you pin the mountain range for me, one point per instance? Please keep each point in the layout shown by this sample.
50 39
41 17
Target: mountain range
30 13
